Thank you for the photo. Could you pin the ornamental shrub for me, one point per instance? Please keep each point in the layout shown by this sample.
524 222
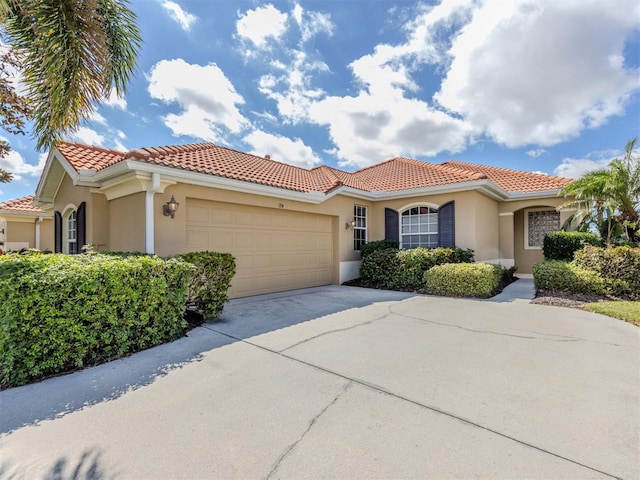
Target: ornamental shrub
620 264
556 275
208 290
370 247
380 267
415 261
60 312
404 269
562 245
463 279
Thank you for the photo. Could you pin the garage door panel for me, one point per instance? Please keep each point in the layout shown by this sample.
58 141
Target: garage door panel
275 250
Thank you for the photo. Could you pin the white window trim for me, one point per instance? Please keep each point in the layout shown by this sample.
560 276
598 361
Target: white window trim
356 227
432 206
526 226
68 210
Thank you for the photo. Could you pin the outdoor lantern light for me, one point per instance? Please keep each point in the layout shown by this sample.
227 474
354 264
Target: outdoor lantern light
350 225
169 209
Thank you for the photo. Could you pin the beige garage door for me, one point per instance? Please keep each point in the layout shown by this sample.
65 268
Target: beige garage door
275 250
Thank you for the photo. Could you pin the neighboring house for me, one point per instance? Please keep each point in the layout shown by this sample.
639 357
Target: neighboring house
290 227
23 225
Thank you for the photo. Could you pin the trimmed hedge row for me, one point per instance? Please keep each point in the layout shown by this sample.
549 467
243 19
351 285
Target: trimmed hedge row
60 312
208 290
370 247
464 279
595 271
404 269
562 245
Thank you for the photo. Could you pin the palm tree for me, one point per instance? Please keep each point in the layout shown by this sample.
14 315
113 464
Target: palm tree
609 198
73 53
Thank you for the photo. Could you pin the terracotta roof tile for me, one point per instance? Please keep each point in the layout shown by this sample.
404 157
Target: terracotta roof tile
392 175
403 174
514 180
22 204
92 158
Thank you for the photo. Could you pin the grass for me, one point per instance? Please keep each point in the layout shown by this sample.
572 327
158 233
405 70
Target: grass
627 311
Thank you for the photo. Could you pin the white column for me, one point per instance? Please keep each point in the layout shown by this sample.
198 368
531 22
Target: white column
149 246
38 222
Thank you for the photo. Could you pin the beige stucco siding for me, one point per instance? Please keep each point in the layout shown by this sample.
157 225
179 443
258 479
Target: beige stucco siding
170 234
46 234
127 223
21 231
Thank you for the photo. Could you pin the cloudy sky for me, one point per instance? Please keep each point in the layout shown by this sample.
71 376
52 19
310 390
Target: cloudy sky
539 85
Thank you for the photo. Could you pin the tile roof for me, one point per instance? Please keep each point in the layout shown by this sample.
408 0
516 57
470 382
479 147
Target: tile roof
514 180
22 205
392 175
89 157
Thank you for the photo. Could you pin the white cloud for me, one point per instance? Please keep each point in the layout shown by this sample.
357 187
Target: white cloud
205 95
530 72
576 167
179 15
115 101
15 163
261 25
282 149
370 128
88 136
536 152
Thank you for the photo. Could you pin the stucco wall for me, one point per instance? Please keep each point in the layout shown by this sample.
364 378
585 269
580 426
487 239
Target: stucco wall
46 234
21 230
126 221
170 234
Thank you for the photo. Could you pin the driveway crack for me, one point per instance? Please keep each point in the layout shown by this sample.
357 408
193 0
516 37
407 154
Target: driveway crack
313 421
368 322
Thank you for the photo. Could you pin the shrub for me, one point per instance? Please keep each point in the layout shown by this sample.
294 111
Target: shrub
208 289
404 269
562 245
463 279
370 247
60 312
415 261
620 264
557 275
380 267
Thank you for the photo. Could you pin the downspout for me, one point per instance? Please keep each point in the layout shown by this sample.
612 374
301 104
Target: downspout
148 212
38 222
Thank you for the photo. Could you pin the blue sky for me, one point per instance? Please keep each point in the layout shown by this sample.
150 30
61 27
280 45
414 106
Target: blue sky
535 85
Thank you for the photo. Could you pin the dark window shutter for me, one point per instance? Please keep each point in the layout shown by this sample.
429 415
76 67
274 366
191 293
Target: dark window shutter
391 228
81 237
447 225
57 232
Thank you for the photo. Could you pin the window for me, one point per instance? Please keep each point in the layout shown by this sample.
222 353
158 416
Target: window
72 232
537 223
419 227
360 227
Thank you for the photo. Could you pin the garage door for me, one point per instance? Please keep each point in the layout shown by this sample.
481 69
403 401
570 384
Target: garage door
275 249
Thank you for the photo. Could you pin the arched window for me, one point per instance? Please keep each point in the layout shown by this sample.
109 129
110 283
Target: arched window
70 229
71 232
419 227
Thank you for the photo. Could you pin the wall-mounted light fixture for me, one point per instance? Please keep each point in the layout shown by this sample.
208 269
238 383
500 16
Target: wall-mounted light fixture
169 208
2 231
350 225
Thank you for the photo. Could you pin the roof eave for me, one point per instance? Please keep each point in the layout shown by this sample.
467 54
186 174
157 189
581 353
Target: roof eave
514 196
208 180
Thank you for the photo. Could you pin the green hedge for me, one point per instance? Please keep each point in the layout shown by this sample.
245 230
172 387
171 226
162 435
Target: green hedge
377 245
463 279
207 292
620 264
556 275
60 312
404 269
562 245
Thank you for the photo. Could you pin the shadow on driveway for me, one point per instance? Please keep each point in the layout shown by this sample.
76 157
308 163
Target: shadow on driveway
242 318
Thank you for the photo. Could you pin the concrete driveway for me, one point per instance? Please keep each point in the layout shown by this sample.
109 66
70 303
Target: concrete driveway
342 382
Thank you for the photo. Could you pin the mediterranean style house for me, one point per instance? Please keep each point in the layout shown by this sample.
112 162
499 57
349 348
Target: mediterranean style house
23 226
288 227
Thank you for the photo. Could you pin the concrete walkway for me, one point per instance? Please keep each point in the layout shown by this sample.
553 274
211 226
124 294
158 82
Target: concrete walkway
343 382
